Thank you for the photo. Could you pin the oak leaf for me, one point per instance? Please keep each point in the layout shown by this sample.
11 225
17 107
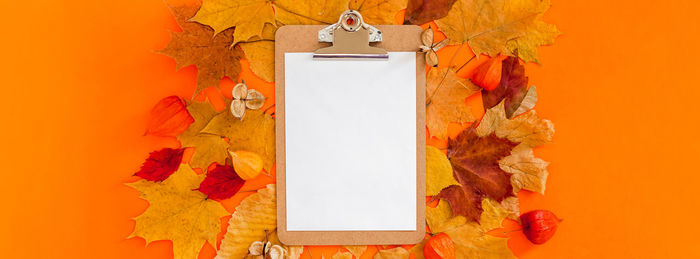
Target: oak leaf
290 12
248 16
160 164
511 89
211 54
256 133
221 183
208 148
422 11
446 95
377 11
499 26
394 253
255 215
438 171
474 159
471 240
179 213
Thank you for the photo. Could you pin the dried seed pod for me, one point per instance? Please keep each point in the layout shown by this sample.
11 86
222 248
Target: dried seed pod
240 91
238 108
255 100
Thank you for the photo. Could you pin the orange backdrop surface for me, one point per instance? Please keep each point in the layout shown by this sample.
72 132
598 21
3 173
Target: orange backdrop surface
80 77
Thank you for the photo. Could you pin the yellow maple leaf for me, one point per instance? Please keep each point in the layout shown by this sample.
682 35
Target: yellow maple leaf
255 215
179 213
394 253
440 218
260 52
207 148
445 100
255 133
248 16
378 11
438 171
291 12
499 26
471 240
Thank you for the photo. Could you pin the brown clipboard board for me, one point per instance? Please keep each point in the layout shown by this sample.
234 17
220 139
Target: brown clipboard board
305 38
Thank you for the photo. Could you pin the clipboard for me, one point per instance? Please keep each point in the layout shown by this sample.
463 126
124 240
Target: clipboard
345 41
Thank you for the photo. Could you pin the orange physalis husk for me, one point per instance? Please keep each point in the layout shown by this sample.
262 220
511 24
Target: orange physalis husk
439 246
247 164
169 117
488 74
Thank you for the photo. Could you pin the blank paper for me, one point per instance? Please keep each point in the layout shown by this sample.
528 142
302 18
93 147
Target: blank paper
350 143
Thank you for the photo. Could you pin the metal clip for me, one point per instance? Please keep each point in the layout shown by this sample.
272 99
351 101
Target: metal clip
350 38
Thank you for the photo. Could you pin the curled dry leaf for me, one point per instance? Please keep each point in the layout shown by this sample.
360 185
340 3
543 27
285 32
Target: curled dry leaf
245 98
253 217
247 164
511 89
422 11
429 47
160 164
169 117
221 183
179 213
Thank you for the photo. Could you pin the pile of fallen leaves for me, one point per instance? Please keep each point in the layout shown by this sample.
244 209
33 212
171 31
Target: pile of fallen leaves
473 176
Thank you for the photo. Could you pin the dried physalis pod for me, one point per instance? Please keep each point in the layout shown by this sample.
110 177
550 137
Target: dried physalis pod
245 98
430 48
276 252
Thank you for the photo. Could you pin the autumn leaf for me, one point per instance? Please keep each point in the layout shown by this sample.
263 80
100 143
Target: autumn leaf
528 101
197 45
221 183
499 26
208 148
528 129
344 255
256 133
422 11
357 251
160 164
511 204
260 53
446 94
471 240
438 171
179 213
441 218
475 160
394 253
248 16
377 11
169 117
290 12
417 250
512 87
256 214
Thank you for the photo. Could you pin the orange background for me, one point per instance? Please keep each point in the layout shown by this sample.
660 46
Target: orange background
79 79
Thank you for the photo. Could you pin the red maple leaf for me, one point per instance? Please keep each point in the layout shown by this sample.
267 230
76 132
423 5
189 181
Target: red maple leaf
475 163
221 183
161 164
512 88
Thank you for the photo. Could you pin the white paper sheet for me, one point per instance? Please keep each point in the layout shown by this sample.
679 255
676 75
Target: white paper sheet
350 143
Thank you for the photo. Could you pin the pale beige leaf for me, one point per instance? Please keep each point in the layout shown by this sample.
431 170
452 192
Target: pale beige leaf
248 16
446 94
529 173
178 212
357 251
528 101
441 219
471 240
438 171
295 252
255 215
394 253
528 128
512 206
